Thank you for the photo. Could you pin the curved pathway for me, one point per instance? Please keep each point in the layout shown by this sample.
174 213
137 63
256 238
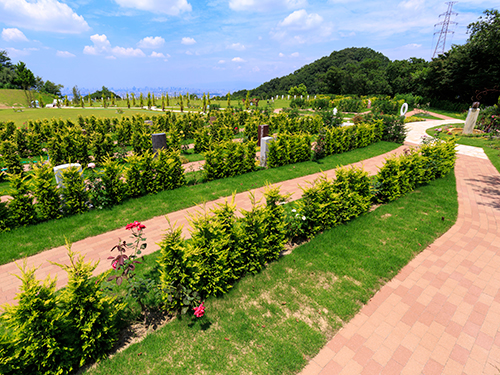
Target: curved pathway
441 313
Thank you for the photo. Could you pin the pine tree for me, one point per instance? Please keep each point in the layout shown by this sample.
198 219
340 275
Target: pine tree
187 100
153 99
149 100
133 100
204 103
163 102
168 101
228 99
141 100
128 101
181 103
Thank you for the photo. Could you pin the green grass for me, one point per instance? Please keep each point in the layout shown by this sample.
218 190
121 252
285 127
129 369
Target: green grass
18 99
460 116
425 115
21 118
274 322
491 146
34 239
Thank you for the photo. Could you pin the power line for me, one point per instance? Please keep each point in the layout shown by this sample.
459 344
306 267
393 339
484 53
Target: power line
440 45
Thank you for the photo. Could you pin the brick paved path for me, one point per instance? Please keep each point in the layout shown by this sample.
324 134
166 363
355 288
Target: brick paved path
441 313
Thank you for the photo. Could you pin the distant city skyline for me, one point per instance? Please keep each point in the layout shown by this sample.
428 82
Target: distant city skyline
216 45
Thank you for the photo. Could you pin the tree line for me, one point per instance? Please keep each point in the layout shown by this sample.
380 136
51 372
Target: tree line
469 72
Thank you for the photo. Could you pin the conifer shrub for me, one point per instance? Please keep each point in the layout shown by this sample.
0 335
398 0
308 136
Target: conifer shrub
73 191
21 209
46 192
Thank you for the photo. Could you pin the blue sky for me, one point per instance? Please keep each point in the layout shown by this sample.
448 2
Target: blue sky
218 44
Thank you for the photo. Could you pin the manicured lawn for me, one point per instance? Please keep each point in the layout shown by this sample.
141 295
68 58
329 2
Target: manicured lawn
425 115
460 116
34 239
274 322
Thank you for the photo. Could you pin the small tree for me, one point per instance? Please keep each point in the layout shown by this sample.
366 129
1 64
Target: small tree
90 101
128 101
82 102
141 100
133 100
149 100
228 99
163 102
181 104
204 103
247 100
168 101
66 101
112 99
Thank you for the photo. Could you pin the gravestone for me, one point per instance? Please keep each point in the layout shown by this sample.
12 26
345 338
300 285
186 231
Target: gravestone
263 131
264 149
282 96
288 97
159 141
335 111
58 172
470 122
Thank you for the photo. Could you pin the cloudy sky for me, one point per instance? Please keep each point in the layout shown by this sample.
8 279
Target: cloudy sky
231 44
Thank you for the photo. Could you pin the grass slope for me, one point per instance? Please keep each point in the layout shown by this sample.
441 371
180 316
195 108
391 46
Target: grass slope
274 322
17 98
34 239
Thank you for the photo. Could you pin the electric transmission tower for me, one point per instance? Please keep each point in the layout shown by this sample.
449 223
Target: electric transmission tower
440 46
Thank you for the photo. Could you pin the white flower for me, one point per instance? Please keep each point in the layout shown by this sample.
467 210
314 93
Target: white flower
294 210
296 215
91 165
303 217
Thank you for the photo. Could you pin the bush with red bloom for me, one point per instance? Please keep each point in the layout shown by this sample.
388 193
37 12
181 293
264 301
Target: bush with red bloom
199 311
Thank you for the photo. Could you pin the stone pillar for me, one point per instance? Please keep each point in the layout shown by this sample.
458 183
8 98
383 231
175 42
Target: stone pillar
264 149
263 131
470 122
159 141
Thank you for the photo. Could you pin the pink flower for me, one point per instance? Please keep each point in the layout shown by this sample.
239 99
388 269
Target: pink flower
91 165
135 224
114 265
199 311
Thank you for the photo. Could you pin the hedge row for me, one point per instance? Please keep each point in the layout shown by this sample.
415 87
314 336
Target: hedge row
229 159
37 198
224 248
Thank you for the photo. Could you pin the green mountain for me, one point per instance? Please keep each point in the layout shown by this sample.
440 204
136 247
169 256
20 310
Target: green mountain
351 70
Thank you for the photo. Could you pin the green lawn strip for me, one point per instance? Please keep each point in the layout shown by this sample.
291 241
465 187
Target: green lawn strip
34 239
274 322
491 147
460 116
22 118
425 115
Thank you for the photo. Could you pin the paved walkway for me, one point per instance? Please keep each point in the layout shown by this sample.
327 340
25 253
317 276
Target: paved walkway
441 313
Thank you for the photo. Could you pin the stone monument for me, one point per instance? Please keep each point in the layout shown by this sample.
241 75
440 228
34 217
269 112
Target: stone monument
58 172
159 141
470 122
264 149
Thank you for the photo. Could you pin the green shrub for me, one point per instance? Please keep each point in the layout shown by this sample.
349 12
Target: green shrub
350 105
114 188
21 209
73 191
289 149
46 192
133 176
229 159
10 157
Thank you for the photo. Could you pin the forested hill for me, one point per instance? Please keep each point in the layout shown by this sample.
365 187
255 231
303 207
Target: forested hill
324 75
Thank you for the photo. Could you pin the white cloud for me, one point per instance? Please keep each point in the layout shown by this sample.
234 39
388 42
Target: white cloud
295 54
14 53
103 46
188 41
127 52
170 7
256 69
110 57
281 55
13 35
151 42
238 59
265 5
412 4
157 55
189 53
300 20
237 47
222 61
64 54
301 27
42 15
